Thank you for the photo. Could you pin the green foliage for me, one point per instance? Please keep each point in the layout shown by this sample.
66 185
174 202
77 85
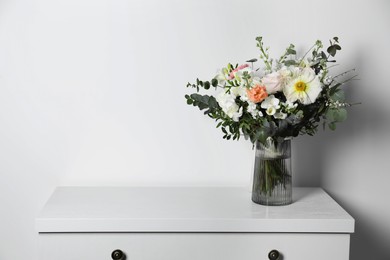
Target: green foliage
264 54
334 47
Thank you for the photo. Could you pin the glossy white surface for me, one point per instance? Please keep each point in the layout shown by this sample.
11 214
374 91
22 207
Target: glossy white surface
188 209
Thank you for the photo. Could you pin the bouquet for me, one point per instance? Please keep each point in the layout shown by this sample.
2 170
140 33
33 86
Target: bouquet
281 99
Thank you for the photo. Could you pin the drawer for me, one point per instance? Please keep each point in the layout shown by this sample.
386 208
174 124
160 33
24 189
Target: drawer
194 246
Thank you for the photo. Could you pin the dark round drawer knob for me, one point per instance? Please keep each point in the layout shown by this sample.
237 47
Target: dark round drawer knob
273 255
118 255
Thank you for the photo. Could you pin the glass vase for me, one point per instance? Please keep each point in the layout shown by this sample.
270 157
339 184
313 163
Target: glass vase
272 173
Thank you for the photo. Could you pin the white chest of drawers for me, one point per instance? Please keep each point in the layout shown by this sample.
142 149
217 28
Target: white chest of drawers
190 223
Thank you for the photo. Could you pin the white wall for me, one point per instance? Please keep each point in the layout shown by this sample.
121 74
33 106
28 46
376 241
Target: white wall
91 93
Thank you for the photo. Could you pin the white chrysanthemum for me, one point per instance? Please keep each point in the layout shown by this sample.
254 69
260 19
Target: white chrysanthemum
305 87
227 102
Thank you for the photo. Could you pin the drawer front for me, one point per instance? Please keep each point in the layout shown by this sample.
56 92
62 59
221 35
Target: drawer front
193 246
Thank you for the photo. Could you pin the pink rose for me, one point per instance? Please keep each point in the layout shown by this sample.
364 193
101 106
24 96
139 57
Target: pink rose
272 82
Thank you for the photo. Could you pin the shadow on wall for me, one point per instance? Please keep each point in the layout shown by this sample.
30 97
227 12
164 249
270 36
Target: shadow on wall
368 241
369 122
307 163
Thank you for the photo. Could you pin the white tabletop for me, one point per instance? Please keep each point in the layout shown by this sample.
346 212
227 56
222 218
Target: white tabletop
188 209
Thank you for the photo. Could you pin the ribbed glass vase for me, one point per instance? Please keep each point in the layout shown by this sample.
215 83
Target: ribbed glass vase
272 173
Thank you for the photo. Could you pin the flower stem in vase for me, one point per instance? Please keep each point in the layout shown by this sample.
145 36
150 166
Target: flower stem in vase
272 174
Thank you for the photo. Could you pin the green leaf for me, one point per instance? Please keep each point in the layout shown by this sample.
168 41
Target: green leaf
329 115
332 126
291 51
282 126
261 135
332 50
336 115
206 85
338 96
205 99
290 62
252 60
214 82
340 115
213 102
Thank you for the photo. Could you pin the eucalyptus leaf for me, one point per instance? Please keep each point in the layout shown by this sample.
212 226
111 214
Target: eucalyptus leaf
332 50
340 115
291 51
206 85
213 102
214 82
261 135
336 114
332 126
338 96
252 60
289 62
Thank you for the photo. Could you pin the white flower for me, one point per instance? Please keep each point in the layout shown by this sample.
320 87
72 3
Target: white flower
238 91
270 104
328 79
290 105
280 115
305 87
227 102
236 116
273 82
285 72
238 74
252 109
270 111
222 77
270 101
